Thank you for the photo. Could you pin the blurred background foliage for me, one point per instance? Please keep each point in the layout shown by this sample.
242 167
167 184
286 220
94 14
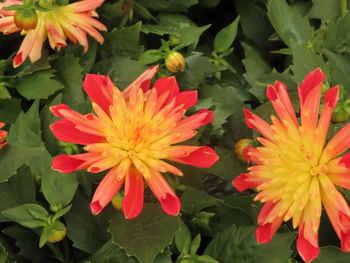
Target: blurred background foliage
232 49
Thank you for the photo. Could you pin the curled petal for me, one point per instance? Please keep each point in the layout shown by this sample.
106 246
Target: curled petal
203 157
169 201
306 250
106 190
256 123
133 201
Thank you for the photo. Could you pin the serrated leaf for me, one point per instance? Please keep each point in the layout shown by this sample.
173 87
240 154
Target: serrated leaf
110 253
239 245
9 110
337 38
332 255
39 85
224 39
69 73
190 35
28 215
18 190
194 200
288 22
145 236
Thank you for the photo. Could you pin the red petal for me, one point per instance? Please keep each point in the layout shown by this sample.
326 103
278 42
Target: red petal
255 122
345 241
65 131
169 201
167 85
331 97
264 233
100 90
195 121
55 110
143 81
305 249
242 183
203 157
133 201
106 190
17 60
187 98
312 80
70 163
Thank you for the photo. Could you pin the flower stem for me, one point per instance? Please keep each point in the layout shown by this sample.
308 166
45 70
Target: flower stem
343 7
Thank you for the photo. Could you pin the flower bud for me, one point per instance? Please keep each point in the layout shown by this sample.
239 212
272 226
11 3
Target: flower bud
56 232
117 201
340 116
239 147
26 19
175 62
46 4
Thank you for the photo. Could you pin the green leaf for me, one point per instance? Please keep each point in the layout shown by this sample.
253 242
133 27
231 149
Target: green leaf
239 245
332 255
190 35
9 110
150 56
38 85
87 231
122 42
4 93
145 236
69 73
111 253
305 61
289 23
194 200
26 130
337 37
224 39
18 190
196 242
169 5
12 158
28 215
183 238
61 213
325 9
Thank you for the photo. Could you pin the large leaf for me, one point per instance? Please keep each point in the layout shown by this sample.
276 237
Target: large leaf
194 200
224 39
239 245
169 5
288 22
111 253
18 190
145 236
39 85
332 255
9 110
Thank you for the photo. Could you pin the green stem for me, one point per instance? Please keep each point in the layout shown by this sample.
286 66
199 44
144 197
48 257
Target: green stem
56 251
343 7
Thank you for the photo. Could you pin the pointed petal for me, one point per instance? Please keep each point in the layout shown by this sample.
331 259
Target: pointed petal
256 123
264 233
70 163
133 200
242 183
203 157
143 81
169 201
187 99
106 190
99 88
306 250
195 121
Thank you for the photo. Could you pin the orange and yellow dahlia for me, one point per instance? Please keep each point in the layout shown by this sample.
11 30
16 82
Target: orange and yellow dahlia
58 23
295 171
3 135
131 133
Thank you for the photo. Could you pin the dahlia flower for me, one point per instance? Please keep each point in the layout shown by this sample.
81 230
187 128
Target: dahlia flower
295 171
3 135
131 133
72 21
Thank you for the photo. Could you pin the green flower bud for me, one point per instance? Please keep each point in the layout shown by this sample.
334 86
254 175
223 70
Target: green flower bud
56 232
46 3
340 116
175 62
117 201
26 19
239 147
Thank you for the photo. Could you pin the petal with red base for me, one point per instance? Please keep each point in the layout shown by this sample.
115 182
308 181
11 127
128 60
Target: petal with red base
143 81
133 201
242 183
306 250
195 121
160 188
100 90
203 157
60 128
264 233
106 190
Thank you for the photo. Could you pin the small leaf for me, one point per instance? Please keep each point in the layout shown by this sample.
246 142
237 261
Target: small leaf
38 85
183 238
145 236
196 242
150 56
224 39
190 35
28 215
61 213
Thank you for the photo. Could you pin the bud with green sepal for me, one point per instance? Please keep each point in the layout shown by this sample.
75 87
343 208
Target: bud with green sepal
117 200
26 18
240 146
175 62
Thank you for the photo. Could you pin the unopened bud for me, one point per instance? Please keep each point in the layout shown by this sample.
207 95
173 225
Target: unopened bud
26 19
239 147
117 201
340 116
175 62
46 3
56 232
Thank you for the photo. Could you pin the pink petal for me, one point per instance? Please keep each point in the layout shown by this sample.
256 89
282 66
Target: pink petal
70 163
99 88
133 201
242 183
203 157
60 128
106 190
169 201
